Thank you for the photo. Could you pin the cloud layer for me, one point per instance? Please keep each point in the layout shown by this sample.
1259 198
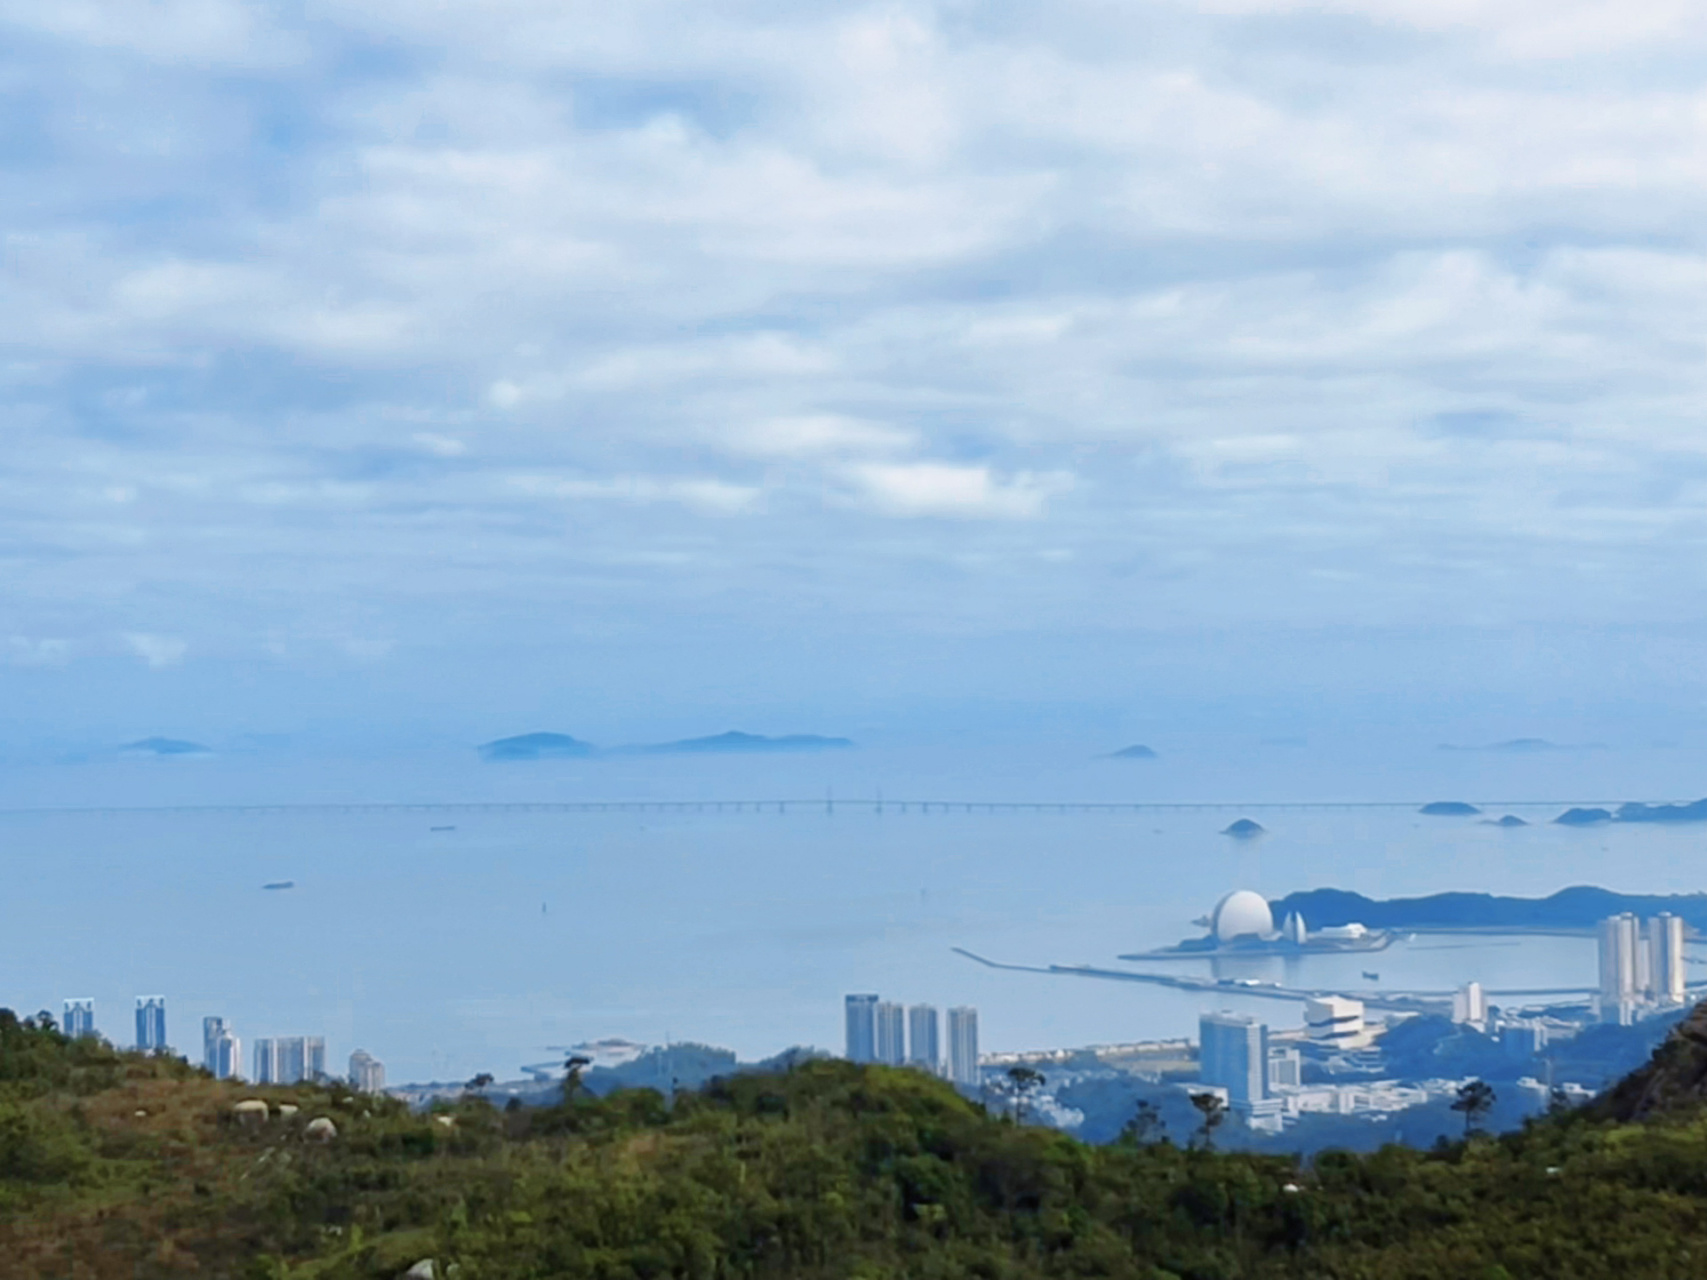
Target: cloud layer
1080 317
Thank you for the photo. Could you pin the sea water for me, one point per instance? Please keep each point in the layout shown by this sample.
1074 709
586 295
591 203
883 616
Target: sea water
489 946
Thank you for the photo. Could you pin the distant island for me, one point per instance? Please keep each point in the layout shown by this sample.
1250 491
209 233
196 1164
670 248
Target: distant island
1244 829
1579 907
1583 817
165 747
1449 809
736 743
1137 751
537 746
1510 820
560 746
1528 746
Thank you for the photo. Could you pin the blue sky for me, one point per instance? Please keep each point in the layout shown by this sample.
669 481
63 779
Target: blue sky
389 368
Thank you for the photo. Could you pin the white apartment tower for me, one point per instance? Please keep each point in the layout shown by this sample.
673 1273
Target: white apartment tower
1470 1005
1665 959
923 1049
1640 962
963 1046
367 1073
891 1029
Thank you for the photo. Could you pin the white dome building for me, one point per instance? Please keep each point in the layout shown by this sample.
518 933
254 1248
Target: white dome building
1241 914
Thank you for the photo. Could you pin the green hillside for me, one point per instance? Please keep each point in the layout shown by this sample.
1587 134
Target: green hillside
113 1165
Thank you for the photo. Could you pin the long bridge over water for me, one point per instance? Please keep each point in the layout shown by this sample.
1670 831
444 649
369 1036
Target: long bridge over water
827 804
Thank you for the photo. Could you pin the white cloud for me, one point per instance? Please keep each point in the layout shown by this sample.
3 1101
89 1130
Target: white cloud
943 489
710 496
156 650
439 446
817 434
28 651
642 267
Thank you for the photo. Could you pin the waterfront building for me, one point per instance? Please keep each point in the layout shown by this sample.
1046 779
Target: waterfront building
1665 959
151 1024
1334 1022
963 1046
79 1017
1470 1006
1619 943
861 1014
1234 1056
367 1073
923 1047
890 1033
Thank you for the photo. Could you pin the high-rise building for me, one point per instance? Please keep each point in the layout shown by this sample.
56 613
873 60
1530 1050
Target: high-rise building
222 1051
1470 1005
314 1058
891 1029
367 1073
227 1057
1234 1056
1665 959
151 1024
963 1046
1619 944
212 1030
861 1028
267 1061
79 1017
923 1047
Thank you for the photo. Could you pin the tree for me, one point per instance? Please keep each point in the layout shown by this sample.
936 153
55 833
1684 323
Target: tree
572 1078
1022 1083
1146 1125
479 1082
1475 1100
1214 1111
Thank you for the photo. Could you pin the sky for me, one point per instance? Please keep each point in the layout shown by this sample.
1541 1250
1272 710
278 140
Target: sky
376 373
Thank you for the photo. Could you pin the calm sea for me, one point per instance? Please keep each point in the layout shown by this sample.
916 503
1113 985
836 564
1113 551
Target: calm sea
447 952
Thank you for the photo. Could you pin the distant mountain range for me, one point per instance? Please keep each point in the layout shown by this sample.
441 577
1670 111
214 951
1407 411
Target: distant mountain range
559 746
1579 907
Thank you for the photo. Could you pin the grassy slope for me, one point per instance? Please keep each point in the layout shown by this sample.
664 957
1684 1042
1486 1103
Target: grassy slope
829 1170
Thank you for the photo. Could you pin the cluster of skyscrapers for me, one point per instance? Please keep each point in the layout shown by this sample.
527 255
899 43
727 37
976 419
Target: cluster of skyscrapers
1641 964
277 1059
885 1031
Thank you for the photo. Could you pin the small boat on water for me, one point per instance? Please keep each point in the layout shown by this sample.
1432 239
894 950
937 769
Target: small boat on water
280 884
441 828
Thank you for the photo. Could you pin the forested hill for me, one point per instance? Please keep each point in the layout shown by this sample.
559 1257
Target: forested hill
1579 907
114 1165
